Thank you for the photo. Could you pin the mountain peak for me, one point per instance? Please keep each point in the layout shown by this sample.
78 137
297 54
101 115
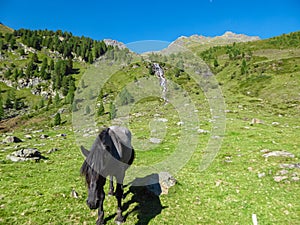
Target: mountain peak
205 42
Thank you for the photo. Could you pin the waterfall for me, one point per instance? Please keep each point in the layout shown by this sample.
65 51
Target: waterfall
159 72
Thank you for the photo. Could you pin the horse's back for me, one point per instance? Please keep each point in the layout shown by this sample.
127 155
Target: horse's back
122 140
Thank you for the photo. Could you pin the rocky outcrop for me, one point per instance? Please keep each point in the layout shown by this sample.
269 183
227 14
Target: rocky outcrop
114 43
25 155
12 139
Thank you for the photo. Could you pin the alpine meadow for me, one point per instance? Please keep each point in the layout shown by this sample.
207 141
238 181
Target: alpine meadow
218 115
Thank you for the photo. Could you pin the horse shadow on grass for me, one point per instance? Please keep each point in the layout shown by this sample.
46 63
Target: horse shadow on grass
146 198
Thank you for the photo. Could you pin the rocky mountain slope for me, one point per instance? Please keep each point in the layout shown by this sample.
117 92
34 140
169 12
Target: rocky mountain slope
203 42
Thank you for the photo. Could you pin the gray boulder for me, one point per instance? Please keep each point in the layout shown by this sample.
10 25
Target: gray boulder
12 139
25 155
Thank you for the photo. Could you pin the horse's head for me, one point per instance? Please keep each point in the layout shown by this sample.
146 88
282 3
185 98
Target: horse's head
106 139
93 180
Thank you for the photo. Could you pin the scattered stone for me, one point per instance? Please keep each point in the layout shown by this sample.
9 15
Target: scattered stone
283 172
155 140
28 136
12 139
261 175
61 135
166 181
295 178
280 178
201 131
74 194
52 150
275 123
86 135
279 154
265 150
289 166
44 136
256 121
37 131
180 123
25 155
164 120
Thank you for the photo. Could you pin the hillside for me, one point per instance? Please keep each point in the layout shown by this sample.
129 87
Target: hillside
36 66
5 29
222 118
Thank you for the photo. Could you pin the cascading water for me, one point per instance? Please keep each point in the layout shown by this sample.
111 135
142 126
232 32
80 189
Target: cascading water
159 72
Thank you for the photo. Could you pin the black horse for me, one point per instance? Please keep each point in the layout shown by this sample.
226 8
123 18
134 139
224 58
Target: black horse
110 155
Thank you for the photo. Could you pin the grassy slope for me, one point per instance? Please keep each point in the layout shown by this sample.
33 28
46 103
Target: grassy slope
228 192
4 29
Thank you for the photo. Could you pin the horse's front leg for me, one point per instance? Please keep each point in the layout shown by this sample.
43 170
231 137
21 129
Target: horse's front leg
101 194
111 185
119 195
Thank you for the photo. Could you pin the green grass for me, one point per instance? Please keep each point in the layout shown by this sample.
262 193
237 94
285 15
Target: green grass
228 192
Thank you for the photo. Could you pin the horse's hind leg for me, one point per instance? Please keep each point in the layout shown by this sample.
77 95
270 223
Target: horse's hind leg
119 195
111 185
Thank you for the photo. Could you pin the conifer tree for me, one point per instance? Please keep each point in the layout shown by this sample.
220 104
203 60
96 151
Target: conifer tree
56 99
1 107
57 119
112 111
101 109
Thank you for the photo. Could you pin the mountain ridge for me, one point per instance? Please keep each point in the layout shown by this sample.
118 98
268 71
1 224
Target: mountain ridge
228 37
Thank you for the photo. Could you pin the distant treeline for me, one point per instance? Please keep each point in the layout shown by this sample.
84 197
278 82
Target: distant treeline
65 43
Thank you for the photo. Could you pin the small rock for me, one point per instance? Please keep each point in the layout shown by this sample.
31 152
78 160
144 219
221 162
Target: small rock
166 181
256 121
164 120
295 178
283 172
279 178
52 150
61 135
180 123
289 166
279 154
201 131
44 136
37 131
275 123
74 194
261 175
28 136
12 139
155 140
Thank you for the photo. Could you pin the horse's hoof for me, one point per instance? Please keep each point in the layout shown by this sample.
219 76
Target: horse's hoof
100 222
119 220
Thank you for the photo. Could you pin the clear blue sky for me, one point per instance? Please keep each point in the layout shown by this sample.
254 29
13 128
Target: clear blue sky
129 21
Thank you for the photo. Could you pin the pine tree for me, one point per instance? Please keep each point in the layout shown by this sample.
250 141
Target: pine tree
112 111
1 107
244 67
216 64
65 85
101 109
56 99
57 119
